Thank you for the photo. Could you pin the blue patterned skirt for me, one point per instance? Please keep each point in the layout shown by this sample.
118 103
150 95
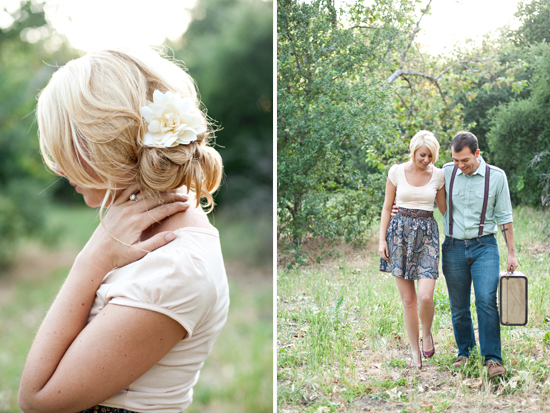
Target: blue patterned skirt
413 244
105 409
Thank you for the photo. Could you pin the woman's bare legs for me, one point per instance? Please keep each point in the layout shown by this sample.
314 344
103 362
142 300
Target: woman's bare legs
410 315
426 310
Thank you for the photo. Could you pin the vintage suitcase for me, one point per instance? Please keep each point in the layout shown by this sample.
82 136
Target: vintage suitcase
512 298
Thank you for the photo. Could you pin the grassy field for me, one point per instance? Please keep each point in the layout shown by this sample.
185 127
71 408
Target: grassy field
342 346
237 377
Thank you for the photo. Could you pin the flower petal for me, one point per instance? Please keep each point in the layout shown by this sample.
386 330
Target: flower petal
148 140
169 96
200 129
158 96
158 110
154 126
187 119
187 137
172 120
147 113
185 106
171 141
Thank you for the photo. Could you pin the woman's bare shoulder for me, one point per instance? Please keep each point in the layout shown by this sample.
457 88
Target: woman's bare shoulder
193 217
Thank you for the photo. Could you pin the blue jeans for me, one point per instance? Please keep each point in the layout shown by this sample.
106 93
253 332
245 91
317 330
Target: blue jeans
477 261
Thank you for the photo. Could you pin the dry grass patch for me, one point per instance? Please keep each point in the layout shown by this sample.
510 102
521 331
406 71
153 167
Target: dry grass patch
341 344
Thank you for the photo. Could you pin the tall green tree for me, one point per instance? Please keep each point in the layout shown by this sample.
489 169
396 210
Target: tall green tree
535 23
452 92
507 79
330 109
518 128
521 128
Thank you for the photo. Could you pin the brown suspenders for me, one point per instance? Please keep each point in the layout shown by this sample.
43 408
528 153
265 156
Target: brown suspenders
483 208
451 201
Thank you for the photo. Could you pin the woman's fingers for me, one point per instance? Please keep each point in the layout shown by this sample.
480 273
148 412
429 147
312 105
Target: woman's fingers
157 214
148 204
132 194
140 212
123 225
383 252
140 204
125 195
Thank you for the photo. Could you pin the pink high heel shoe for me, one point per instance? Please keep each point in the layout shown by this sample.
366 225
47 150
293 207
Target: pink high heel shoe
428 354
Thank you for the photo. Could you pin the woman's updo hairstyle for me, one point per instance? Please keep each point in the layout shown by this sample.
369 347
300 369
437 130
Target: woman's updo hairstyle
427 139
91 126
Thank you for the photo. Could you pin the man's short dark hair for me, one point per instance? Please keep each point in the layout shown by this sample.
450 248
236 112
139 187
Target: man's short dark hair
465 139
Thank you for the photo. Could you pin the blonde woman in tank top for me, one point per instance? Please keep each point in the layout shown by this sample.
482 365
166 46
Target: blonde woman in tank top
409 241
147 296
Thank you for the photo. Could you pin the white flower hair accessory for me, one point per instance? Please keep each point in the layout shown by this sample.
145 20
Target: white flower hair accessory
172 120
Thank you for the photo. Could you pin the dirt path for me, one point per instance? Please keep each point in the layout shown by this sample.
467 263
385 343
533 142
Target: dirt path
381 380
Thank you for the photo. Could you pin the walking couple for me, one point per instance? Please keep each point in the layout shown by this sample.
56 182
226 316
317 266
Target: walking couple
474 199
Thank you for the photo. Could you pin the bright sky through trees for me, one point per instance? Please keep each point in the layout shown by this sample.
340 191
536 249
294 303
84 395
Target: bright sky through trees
454 21
91 25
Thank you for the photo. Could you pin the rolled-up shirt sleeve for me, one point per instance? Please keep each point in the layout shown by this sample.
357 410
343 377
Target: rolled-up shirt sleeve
392 174
503 204
440 178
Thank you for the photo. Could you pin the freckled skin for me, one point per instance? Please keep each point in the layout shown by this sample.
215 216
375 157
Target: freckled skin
74 350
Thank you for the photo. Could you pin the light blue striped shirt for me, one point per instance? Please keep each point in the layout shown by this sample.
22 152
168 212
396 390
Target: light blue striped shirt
468 201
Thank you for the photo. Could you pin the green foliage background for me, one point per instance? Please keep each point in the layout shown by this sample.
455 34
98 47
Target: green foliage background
227 50
22 177
353 86
329 113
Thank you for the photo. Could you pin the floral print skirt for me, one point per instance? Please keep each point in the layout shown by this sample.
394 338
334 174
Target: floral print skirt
105 409
413 244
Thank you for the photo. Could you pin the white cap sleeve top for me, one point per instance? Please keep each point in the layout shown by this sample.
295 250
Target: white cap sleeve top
186 281
415 197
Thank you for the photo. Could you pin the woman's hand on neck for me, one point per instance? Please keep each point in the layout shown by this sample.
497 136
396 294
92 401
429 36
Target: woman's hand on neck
193 217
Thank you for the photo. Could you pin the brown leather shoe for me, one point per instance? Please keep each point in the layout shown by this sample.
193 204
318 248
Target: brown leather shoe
460 361
494 368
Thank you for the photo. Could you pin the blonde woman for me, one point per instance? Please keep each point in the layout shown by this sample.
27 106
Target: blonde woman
147 296
409 241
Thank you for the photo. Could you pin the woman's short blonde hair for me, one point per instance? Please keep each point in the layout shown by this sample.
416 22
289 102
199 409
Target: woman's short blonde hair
91 126
424 138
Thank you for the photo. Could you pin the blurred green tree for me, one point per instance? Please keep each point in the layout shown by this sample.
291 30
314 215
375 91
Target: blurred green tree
330 108
535 23
520 129
335 66
228 50
508 78
25 44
